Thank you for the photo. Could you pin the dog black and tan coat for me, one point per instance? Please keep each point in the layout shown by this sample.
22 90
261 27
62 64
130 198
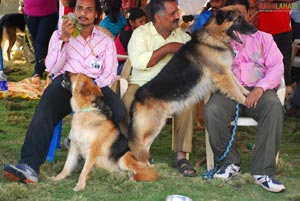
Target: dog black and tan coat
201 66
10 25
95 137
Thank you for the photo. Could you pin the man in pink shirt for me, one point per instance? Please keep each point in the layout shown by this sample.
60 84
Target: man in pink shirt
92 53
258 66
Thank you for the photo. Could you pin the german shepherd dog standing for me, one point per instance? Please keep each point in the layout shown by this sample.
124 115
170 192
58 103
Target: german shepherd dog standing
10 24
201 66
95 137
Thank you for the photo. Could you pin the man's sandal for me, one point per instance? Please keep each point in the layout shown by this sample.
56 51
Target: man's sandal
185 168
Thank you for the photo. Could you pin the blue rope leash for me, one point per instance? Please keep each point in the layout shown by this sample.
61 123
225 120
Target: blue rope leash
210 173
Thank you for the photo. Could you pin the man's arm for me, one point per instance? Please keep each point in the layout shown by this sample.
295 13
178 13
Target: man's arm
56 52
161 52
56 56
142 51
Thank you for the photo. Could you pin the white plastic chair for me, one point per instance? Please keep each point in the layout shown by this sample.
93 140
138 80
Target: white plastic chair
242 121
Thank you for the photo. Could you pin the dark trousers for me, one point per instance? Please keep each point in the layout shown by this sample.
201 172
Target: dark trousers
296 29
296 97
284 43
41 29
219 111
54 106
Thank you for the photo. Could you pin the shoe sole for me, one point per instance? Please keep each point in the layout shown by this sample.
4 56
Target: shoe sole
15 175
268 189
226 179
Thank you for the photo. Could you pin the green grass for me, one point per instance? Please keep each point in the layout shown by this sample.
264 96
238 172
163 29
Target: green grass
16 113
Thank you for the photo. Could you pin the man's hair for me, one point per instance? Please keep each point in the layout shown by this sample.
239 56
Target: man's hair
72 5
157 6
112 9
239 2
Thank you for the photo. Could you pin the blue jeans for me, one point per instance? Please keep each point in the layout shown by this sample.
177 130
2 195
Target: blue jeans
41 29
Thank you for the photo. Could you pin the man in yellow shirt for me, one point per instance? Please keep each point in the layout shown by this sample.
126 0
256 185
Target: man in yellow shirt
150 48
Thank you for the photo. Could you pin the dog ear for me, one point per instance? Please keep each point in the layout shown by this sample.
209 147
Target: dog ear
84 89
221 15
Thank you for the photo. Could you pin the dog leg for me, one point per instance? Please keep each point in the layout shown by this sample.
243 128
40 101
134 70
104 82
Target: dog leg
242 89
12 37
89 163
142 171
70 164
228 87
144 127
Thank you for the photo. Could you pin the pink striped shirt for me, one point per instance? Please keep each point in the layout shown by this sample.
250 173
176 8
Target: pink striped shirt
76 56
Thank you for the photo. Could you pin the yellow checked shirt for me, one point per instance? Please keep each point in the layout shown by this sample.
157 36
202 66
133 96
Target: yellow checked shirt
143 42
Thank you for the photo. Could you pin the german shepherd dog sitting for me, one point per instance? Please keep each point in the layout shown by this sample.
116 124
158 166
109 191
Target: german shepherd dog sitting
95 137
10 24
201 66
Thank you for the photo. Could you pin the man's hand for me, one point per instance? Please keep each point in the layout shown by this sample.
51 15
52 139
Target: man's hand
173 47
67 29
253 97
169 48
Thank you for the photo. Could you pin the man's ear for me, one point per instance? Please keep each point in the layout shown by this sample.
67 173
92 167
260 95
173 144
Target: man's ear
157 17
131 22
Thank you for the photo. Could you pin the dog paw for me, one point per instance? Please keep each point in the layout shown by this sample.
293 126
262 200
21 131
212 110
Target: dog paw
57 178
79 187
246 92
242 100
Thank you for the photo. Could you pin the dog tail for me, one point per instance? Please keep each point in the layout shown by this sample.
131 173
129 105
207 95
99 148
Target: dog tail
142 170
148 174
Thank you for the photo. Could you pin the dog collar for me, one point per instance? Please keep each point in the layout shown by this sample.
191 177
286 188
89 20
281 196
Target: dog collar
86 109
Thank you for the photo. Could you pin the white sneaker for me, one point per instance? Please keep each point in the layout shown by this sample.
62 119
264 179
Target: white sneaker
20 172
227 171
269 183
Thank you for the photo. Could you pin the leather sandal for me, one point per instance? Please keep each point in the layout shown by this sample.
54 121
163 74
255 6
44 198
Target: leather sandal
185 168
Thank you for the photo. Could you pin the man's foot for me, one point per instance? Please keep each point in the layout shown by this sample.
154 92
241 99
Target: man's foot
185 168
20 172
269 183
227 171
36 79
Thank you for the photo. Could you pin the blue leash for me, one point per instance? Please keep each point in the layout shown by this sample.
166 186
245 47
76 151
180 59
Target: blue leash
210 173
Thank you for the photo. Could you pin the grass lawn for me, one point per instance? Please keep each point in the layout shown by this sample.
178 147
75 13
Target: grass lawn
16 113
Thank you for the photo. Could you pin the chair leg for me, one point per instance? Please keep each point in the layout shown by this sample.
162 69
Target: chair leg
55 142
209 153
